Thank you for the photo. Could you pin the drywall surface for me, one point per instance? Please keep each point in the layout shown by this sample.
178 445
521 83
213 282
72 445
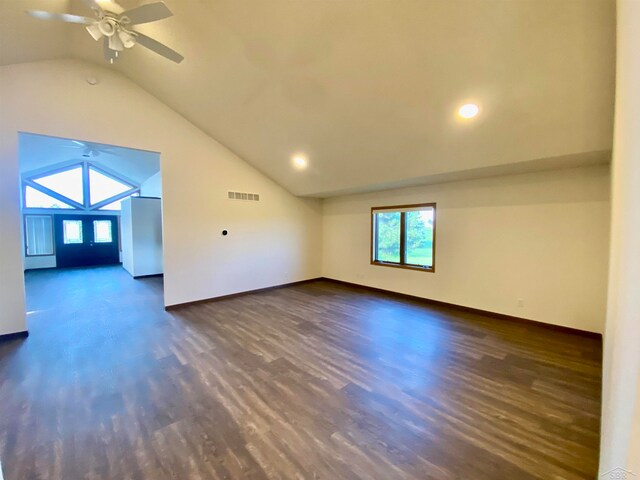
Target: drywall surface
126 236
142 236
152 187
539 237
12 302
620 440
41 261
274 241
147 236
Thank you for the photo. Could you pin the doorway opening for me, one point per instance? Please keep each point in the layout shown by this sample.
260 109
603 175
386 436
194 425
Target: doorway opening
89 205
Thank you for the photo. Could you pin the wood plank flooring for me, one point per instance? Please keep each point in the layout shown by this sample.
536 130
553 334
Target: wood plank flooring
316 381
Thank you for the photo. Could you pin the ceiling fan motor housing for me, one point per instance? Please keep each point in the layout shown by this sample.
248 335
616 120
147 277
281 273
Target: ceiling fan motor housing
108 26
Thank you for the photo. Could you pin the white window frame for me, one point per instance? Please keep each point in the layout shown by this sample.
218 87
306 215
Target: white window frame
29 180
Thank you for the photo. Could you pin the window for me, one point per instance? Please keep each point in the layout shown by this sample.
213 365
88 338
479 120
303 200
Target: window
38 235
72 231
36 199
67 183
103 187
117 205
404 236
102 231
80 186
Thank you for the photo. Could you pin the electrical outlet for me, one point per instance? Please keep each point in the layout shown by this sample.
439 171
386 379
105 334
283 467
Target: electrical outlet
521 302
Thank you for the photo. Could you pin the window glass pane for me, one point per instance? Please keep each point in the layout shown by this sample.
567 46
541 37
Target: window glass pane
36 199
102 231
103 187
388 237
67 183
72 231
38 234
419 240
117 205
113 206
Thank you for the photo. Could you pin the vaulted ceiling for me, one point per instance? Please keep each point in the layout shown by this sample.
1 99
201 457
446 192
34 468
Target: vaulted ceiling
368 90
40 152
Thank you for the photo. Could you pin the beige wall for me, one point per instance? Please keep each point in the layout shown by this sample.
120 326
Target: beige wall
620 441
540 237
273 241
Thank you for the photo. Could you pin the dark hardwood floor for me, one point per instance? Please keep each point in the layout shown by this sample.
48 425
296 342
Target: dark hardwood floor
316 381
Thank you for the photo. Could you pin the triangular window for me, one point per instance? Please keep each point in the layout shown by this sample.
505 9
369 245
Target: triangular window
117 205
103 187
36 199
80 187
67 183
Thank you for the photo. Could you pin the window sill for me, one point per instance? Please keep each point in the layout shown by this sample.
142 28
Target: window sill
406 267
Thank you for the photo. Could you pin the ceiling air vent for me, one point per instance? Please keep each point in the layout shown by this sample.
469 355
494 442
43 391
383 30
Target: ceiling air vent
252 197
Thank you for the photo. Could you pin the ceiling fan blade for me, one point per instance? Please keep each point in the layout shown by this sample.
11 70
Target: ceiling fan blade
106 152
96 147
159 48
64 17
147 13
109 55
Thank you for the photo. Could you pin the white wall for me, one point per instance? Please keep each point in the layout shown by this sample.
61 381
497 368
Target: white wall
542 237
152 186
274 241
41 261
141 229
12 305
126 236
620 441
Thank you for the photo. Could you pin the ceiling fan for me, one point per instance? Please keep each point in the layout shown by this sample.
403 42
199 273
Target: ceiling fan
113 25
90 149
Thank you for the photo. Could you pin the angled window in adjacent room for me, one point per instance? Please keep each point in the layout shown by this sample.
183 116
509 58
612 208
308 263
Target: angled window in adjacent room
81 186
36 199
404 236
67 183
104 187
117 205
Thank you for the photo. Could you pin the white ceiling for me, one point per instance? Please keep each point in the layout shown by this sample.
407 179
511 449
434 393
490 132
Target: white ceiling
368 89
39 151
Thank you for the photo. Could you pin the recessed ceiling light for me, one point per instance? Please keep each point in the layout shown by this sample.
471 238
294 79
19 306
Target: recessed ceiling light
299 161
469 110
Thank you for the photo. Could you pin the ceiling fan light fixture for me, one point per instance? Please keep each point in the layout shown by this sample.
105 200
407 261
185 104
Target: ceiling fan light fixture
127 39
115 43
94 31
